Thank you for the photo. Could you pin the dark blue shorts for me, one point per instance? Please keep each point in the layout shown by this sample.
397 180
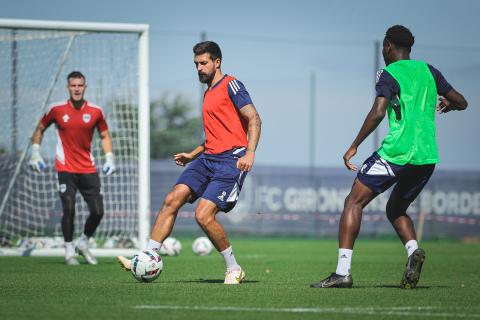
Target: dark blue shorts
215 177
379 175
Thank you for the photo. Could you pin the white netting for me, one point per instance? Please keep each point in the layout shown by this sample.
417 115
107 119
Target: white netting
33 69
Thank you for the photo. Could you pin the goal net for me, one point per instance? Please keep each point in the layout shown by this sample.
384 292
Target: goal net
35 58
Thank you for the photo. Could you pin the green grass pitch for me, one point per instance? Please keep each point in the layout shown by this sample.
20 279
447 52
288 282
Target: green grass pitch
279 272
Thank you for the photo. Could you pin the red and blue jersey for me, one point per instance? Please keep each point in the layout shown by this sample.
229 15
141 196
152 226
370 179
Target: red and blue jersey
75 128
224 127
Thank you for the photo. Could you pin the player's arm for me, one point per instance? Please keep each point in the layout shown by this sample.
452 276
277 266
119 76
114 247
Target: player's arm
107 146
183 158
36 161
106 139
373 119
250 114
453 100
38 134
450 99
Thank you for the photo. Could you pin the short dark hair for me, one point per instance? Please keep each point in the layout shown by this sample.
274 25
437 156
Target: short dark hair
208 47
75 74
400 36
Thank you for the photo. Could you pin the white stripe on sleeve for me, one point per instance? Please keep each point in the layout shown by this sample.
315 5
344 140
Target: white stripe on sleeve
233 88
235 83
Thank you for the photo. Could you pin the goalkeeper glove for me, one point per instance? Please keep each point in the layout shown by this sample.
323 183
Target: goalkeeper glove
36 162
109 166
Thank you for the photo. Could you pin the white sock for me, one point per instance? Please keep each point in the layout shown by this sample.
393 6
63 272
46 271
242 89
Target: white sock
230 261
344 261
83 241
69 249
154 245
411 246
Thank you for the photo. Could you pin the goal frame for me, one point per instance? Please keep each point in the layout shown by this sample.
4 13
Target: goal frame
143 102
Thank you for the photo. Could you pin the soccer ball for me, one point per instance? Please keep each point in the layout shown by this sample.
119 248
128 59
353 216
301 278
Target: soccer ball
146 266
202 246
171 247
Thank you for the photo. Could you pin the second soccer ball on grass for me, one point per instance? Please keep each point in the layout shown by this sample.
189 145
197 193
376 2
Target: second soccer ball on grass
170 247
202 246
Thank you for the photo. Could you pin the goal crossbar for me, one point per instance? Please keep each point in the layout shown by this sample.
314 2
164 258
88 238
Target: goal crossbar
73 26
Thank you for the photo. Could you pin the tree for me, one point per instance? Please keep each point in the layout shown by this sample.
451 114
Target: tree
173 127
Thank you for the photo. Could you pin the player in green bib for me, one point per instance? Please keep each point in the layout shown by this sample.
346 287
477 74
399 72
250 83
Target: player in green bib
407 91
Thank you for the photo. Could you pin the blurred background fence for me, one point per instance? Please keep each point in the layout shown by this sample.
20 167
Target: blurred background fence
304 202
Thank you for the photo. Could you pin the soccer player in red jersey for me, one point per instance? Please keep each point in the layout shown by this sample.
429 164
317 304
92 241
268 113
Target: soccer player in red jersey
75 121
218 167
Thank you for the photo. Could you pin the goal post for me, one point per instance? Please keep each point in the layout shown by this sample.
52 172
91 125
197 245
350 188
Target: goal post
35 57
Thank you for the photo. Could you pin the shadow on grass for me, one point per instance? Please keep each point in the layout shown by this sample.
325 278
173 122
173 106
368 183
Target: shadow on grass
56 262
159 282
391 286
212 281
388 286
62 262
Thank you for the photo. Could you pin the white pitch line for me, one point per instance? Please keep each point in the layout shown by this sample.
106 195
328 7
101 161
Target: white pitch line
399 311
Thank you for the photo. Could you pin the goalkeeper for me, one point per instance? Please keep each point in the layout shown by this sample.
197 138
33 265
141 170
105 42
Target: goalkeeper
75 121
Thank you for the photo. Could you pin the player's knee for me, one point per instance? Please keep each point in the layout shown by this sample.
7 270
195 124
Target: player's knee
203 219
68 204
95 205
100 212
172 200
396 207
393 215
353 200
394 210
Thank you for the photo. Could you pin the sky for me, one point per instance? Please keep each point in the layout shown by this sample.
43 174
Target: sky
274 48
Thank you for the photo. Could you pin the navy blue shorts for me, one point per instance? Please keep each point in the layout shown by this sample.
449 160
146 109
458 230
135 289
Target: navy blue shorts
379 175
215 177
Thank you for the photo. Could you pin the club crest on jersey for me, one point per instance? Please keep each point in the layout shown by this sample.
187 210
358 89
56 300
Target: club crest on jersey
62 188
65 118
86 117
222 196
